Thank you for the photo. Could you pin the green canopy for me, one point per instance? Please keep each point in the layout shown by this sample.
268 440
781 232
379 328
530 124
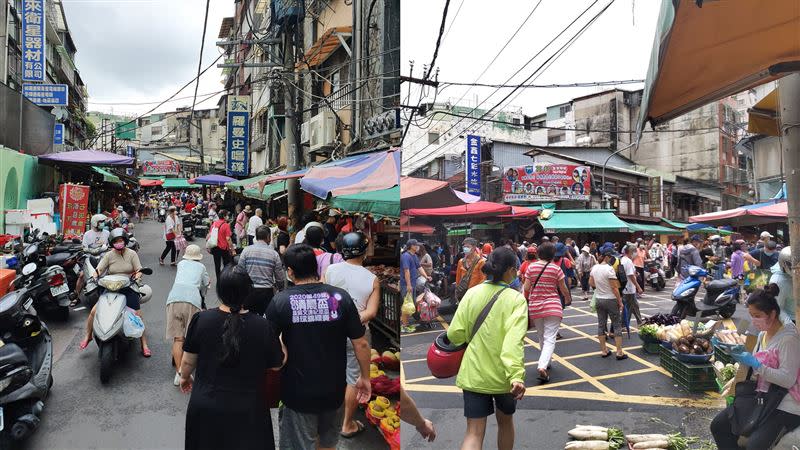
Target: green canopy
681 225
487 226
108 177
384 202
269 190
459 232
179 183
584 220
712 230
247 181
652 229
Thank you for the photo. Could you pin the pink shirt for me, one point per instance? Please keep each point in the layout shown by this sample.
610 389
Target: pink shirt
543 300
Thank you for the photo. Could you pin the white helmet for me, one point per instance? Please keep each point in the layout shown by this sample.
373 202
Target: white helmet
96 219
785 259
147 293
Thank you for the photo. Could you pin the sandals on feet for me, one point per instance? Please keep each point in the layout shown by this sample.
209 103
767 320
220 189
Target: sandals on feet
84 343
160 262
544 377
360 428
146 352
606 355
620 358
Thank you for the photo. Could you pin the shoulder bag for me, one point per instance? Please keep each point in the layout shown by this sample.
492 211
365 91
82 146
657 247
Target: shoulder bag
485 312
530 321
751 408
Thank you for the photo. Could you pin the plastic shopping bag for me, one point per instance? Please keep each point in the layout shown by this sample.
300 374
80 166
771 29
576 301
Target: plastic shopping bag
593 303
132 325
180 243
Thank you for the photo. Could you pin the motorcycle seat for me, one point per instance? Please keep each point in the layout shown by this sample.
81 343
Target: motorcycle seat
58 259
95 260
62 248
721 285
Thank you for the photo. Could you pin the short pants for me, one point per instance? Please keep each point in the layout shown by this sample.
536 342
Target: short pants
179 314
478 406
353 369
299 431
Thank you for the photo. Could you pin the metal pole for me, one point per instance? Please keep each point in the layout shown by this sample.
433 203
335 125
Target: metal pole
604 200
290 125
789 100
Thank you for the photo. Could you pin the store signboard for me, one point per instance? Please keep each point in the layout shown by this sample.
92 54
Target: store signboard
33 41
546 182
131 153
58 134
473 165
163 167
74 208
656 195
237 161
47 94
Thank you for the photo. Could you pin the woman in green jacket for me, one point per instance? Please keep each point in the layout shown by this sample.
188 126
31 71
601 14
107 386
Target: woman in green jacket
492 373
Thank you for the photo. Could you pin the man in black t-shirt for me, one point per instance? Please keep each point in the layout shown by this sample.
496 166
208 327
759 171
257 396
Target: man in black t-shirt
315 320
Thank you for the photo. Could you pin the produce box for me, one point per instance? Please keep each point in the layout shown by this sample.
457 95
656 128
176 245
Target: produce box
690 377
652 348
388 319
722 356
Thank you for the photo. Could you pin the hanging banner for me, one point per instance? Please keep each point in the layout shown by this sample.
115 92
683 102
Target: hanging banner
58 134
46 94
33 42
131 153
655 195
546 182
74 208
162 167
473 165
237 162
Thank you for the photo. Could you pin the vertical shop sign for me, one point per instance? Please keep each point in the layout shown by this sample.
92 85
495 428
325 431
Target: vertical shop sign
130 152
237 162
656 195
58 134
74 208
473 165
33 42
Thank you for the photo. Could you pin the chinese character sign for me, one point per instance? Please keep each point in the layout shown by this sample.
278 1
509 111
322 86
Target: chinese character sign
33 42
655 195
46 94
546 182
473 165
58 134
165 167
238 159
74 207
130 152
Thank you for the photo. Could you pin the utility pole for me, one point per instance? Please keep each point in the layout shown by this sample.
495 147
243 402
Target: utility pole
290 124
789 101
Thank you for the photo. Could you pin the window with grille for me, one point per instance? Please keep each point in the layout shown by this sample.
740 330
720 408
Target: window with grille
433 138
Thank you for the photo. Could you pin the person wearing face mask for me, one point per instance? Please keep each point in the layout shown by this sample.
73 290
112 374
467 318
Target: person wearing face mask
492 372
763 259
468 271
782 277
94 241
120 261
776 361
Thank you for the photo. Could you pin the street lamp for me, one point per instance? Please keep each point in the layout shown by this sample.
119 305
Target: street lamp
603 184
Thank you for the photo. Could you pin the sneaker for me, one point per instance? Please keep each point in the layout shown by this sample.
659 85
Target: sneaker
177 380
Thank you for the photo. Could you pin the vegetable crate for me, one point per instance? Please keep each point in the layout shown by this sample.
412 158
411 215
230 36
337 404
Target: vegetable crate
388 319
652 348
722 356
690 377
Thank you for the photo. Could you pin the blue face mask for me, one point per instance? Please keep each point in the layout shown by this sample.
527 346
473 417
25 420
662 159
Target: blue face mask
467 250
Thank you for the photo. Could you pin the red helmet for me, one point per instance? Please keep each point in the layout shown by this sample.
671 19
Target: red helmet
444 358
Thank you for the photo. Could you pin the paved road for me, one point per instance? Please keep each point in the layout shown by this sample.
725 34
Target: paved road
636 394
139 408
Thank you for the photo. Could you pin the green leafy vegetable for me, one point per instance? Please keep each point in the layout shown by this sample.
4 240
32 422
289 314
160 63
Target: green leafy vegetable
616 439
648 330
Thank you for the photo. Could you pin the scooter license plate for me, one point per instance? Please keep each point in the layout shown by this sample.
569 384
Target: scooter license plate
60 289
188 229
76 268
653 276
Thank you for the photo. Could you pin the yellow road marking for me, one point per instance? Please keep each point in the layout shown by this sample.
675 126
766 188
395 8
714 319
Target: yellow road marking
577 370
711 401
601 377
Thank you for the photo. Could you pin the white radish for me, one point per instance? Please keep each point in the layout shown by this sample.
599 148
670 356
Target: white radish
592 427
651 444
586 434
636 438
586 445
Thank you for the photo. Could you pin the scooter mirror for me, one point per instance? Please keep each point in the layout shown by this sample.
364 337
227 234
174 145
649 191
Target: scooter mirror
146 271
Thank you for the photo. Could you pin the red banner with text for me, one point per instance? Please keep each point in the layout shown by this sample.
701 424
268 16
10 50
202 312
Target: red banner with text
546 182
74 208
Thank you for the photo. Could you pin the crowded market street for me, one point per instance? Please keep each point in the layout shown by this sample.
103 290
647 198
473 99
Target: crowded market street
139 407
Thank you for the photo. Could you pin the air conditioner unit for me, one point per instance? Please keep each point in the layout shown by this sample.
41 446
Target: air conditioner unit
321 130
305 136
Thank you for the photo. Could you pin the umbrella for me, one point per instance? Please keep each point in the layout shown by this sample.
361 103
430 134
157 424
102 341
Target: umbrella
212 180
144 182
86 157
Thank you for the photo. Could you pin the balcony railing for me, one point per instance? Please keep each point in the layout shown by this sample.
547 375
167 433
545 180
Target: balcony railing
342 98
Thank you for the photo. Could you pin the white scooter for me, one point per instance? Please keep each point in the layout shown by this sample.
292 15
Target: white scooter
110 315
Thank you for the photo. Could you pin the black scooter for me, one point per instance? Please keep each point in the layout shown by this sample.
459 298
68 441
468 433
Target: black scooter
26 361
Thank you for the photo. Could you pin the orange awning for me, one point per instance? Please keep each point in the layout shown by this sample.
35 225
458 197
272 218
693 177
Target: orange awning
762 118
328 43
704 53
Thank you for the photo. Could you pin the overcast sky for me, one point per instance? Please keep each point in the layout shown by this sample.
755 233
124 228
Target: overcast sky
616 47
133 51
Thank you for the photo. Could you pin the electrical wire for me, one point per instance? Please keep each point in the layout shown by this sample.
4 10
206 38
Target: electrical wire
197 84
544 86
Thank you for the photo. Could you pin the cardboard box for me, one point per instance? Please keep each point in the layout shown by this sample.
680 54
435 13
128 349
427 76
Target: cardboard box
18 217
41 205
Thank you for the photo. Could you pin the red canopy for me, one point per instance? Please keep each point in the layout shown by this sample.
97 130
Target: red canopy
477 209
150 183
521 212
417 227
719 215
424 193
776 210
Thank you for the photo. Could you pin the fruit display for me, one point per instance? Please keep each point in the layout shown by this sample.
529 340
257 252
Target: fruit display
672 333
692 345
387 275
381 413
387 360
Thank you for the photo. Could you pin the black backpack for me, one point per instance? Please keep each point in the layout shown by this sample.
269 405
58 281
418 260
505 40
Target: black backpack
620 270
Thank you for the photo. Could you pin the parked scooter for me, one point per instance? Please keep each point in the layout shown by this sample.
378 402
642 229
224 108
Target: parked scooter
110 315
26 360
47 284
187 219
655 275
162 214
720 298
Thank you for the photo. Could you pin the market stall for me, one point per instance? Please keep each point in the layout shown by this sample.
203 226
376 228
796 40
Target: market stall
212 180
742 216
424 193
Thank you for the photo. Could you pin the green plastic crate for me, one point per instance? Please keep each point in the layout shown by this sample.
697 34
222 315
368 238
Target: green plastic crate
690 377
722 356
652 348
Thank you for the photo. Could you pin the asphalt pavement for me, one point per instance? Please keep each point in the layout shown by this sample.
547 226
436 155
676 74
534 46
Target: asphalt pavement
139 408
636 395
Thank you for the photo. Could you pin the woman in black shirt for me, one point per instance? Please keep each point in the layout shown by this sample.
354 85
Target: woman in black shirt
232 351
